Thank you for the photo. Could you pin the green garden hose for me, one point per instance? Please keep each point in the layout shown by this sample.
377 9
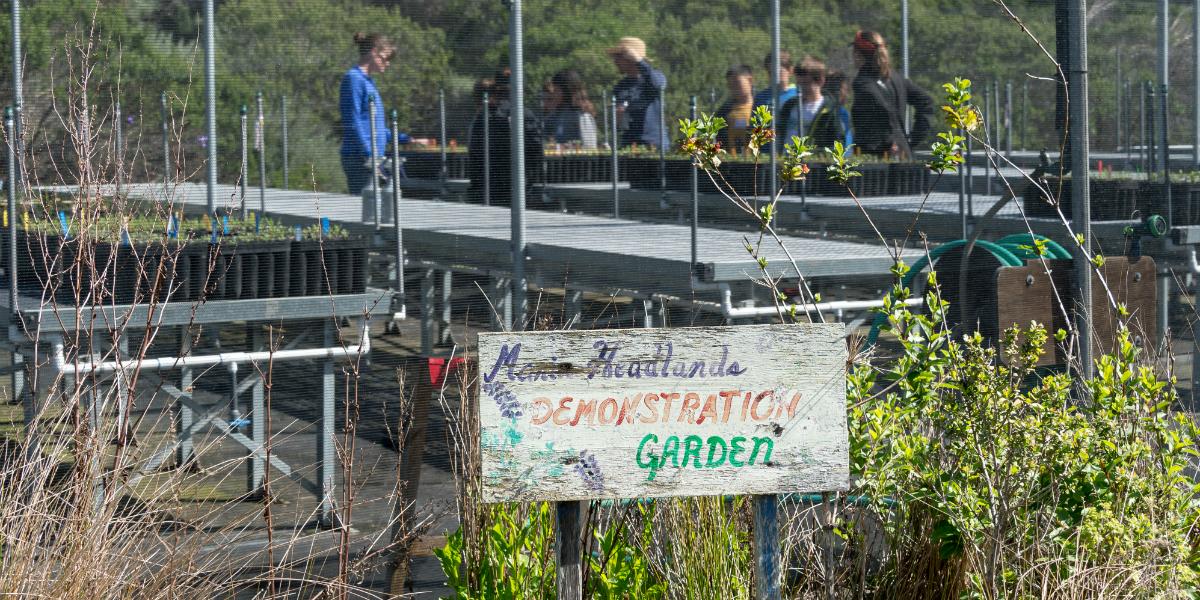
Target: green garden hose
1007 251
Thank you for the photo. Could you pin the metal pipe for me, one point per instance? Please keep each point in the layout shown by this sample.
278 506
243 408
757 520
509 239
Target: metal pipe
487 152
260 140
775 49
59 363
210 103
1196 83
374 161
729 311
398 297
904 57
244 173
1117 119
1080 192
987 133
695 207
997 121
445 172
17 175
1024 113
517 56
965 211
11 189
1128 124
166 142
283 135
118 144
1164 85
1151 129
616 193
1142 131
661 142
1008 120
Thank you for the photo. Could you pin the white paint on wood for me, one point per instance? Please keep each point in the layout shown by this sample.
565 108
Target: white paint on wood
572 415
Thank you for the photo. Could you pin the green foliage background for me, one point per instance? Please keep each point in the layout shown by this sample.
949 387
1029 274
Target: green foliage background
300 48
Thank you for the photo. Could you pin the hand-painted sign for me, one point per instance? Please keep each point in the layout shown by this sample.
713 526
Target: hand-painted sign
570 415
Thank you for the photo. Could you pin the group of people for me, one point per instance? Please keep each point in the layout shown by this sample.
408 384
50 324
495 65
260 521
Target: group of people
866 114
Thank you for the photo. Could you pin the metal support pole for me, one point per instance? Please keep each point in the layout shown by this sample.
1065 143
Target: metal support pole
987 128
16 361
964 215
376 203
695 208
487 152
446 314
1163 87
1164 305
17 174
661 142
1145 154
604 114
616 193
186 449
244 171
258 420
94 419
445 171
10 187
517 55
210 103
260 142
118 141
428 325
398 298
1024 113
1008 120
904 58
997 124
1080 184
166 143
283 139
1128 124
1117 122
775 49
1196 83
326 465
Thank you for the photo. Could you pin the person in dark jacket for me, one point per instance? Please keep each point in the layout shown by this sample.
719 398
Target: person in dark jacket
639 94
499 133
813 113
881 97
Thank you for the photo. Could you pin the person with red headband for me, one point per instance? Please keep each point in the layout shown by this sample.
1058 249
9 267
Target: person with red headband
881 98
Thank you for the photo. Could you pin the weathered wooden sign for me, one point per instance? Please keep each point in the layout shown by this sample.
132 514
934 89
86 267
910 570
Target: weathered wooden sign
572 415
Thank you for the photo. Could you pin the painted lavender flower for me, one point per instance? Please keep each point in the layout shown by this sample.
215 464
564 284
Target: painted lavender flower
504 398
203 140
589 471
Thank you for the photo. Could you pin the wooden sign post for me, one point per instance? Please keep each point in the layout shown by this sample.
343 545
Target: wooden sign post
567 416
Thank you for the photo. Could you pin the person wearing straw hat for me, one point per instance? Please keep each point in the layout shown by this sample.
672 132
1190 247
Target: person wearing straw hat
881 97
639 94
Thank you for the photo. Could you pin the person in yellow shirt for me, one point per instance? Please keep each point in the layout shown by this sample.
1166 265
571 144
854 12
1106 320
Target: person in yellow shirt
736 110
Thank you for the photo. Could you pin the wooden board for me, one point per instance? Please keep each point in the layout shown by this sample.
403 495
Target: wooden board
572 415
1027 294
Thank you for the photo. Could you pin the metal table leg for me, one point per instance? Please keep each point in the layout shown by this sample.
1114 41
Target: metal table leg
325 439
258 420
186 452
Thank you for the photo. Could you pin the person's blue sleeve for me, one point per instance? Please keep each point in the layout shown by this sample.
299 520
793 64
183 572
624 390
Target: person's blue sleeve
356 124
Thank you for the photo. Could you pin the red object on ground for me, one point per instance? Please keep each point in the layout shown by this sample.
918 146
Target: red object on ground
439 370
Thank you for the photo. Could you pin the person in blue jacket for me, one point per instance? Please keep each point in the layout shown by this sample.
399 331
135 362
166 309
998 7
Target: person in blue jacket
358 88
